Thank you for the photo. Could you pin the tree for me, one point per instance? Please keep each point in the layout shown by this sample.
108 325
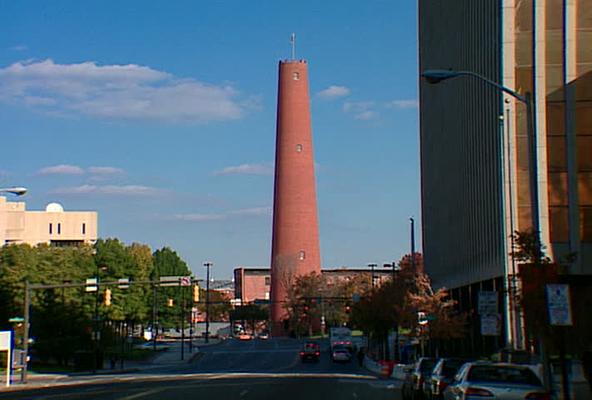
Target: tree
396 304
303 304
168 263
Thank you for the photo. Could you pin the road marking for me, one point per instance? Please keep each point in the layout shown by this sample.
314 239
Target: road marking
143 394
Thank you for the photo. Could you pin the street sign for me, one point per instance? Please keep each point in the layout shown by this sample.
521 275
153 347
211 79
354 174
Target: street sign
490 325
123 283
91 285
185 281
488 303
558 305
169 280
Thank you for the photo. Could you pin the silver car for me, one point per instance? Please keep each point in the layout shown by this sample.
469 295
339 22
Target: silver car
484 380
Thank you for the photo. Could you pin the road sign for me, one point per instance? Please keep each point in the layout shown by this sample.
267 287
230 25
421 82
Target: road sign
169 280
558 305
490 325
91 285
487 303
185 281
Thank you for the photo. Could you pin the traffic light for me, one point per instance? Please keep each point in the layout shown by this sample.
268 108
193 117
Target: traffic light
170 302
107 298
196 294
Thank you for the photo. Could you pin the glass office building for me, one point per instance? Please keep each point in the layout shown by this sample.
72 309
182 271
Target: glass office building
476 163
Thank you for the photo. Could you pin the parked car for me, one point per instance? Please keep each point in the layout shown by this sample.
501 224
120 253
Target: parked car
485 380
412 388
263 336
310 351
442 374
244 336
341 354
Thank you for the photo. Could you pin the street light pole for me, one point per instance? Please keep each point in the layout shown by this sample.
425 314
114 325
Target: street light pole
207 334
436 76
412 243
372 266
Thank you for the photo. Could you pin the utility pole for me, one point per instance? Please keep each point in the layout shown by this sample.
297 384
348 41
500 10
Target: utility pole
26 333
207 334
154 330
412 243
372 266
182 323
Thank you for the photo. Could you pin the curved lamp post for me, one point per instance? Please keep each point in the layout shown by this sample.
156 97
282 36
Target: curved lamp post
436 76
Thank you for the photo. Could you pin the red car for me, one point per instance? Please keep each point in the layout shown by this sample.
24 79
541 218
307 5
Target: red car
310 352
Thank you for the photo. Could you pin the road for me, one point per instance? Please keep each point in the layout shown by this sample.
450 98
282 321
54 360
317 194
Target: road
257 369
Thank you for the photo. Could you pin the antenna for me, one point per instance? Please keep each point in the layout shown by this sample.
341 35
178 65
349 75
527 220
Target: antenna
293 42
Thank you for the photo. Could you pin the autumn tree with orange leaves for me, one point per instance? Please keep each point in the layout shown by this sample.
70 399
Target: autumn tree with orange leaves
396 304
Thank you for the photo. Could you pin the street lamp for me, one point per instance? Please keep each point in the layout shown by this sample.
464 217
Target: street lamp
372 266
17 191
207 264
436 76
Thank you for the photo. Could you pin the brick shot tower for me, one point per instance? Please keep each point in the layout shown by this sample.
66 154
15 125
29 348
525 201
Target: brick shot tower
295 238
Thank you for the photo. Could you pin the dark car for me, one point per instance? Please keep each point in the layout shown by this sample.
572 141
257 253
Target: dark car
413 386
310 352
442 374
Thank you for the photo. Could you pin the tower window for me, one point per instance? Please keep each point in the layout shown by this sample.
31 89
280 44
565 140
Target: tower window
299 148
50 228
301 255
267 280
59 228
295 76
83 228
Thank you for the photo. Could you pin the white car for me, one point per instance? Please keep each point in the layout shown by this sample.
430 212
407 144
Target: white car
341 354
485 380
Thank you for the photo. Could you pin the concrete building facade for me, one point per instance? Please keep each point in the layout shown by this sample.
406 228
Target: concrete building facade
53 226
475 162
295 237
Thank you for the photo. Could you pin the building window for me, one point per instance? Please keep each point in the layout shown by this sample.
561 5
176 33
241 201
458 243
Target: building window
295 76
50 228
59 228
267 281
301 255
83 228
299 148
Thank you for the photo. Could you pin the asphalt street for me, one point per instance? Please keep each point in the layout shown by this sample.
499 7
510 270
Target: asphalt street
256 369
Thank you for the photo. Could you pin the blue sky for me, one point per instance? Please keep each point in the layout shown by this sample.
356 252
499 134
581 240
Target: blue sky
161 116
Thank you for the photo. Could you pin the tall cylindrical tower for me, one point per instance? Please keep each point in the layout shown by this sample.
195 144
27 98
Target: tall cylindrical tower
295 239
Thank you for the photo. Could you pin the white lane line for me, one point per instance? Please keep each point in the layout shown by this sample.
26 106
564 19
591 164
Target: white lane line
143 394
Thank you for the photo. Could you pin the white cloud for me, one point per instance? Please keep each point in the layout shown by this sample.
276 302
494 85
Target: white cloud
246 169
63 169
116 91
105 171
362 110
333 92
233 214
109 190
403 104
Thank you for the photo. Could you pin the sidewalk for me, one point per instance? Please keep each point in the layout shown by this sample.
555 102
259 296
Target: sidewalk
164 358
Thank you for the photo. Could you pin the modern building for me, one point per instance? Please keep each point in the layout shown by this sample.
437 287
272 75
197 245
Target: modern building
481 178
53 226
252 285
295 237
